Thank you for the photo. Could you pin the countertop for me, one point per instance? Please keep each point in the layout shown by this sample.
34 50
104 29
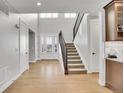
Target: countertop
120 60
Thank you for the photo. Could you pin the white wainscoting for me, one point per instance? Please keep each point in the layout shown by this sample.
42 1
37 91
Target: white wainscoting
4 81
3 74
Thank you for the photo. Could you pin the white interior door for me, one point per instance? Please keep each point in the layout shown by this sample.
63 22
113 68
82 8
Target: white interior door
94 45
24 62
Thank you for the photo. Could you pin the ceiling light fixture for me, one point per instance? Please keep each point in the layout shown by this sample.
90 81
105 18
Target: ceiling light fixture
38 3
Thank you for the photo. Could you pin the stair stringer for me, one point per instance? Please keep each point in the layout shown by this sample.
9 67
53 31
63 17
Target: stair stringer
83 60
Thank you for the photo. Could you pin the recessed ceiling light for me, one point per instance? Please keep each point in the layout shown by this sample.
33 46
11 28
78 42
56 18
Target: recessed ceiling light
38 3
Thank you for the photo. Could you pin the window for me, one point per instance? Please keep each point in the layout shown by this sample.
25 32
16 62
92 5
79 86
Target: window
43 15
42 40
49 15
70 15
49 44
49 40
55 15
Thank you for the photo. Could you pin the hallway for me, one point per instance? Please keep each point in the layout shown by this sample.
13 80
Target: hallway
47 77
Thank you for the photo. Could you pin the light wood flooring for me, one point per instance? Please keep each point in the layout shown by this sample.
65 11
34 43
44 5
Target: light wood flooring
47 77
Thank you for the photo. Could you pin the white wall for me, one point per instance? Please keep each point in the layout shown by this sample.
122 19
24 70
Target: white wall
104 2
54 25
32 22
9 47
82 45
61 59
84 42
81 41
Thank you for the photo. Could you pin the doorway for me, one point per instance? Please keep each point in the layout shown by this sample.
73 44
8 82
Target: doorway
49 46
31 46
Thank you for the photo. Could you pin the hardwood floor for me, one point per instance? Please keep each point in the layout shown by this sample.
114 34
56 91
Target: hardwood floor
47 77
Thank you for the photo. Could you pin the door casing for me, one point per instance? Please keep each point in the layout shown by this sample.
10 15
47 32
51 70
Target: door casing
23 46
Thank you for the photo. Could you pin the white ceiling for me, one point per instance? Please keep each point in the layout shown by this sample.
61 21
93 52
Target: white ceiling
61 6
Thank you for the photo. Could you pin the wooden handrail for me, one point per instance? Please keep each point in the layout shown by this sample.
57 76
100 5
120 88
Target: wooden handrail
77 24
64 51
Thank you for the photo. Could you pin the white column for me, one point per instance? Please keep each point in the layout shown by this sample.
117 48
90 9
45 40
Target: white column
102 48
38 37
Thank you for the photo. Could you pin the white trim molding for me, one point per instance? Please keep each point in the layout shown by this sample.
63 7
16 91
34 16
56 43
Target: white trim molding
32 61
7 84
101 82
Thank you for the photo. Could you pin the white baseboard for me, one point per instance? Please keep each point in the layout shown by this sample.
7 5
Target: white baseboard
38 59
32 61
89 72
7 84
102 83
92 71
16 77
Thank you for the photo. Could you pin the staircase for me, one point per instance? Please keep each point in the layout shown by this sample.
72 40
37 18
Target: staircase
75 65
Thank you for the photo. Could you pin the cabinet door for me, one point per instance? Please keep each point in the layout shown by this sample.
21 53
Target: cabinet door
114 76
114 21
110 23
119 20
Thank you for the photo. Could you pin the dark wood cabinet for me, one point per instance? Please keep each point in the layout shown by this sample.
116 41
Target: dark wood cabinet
114 76
114 20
